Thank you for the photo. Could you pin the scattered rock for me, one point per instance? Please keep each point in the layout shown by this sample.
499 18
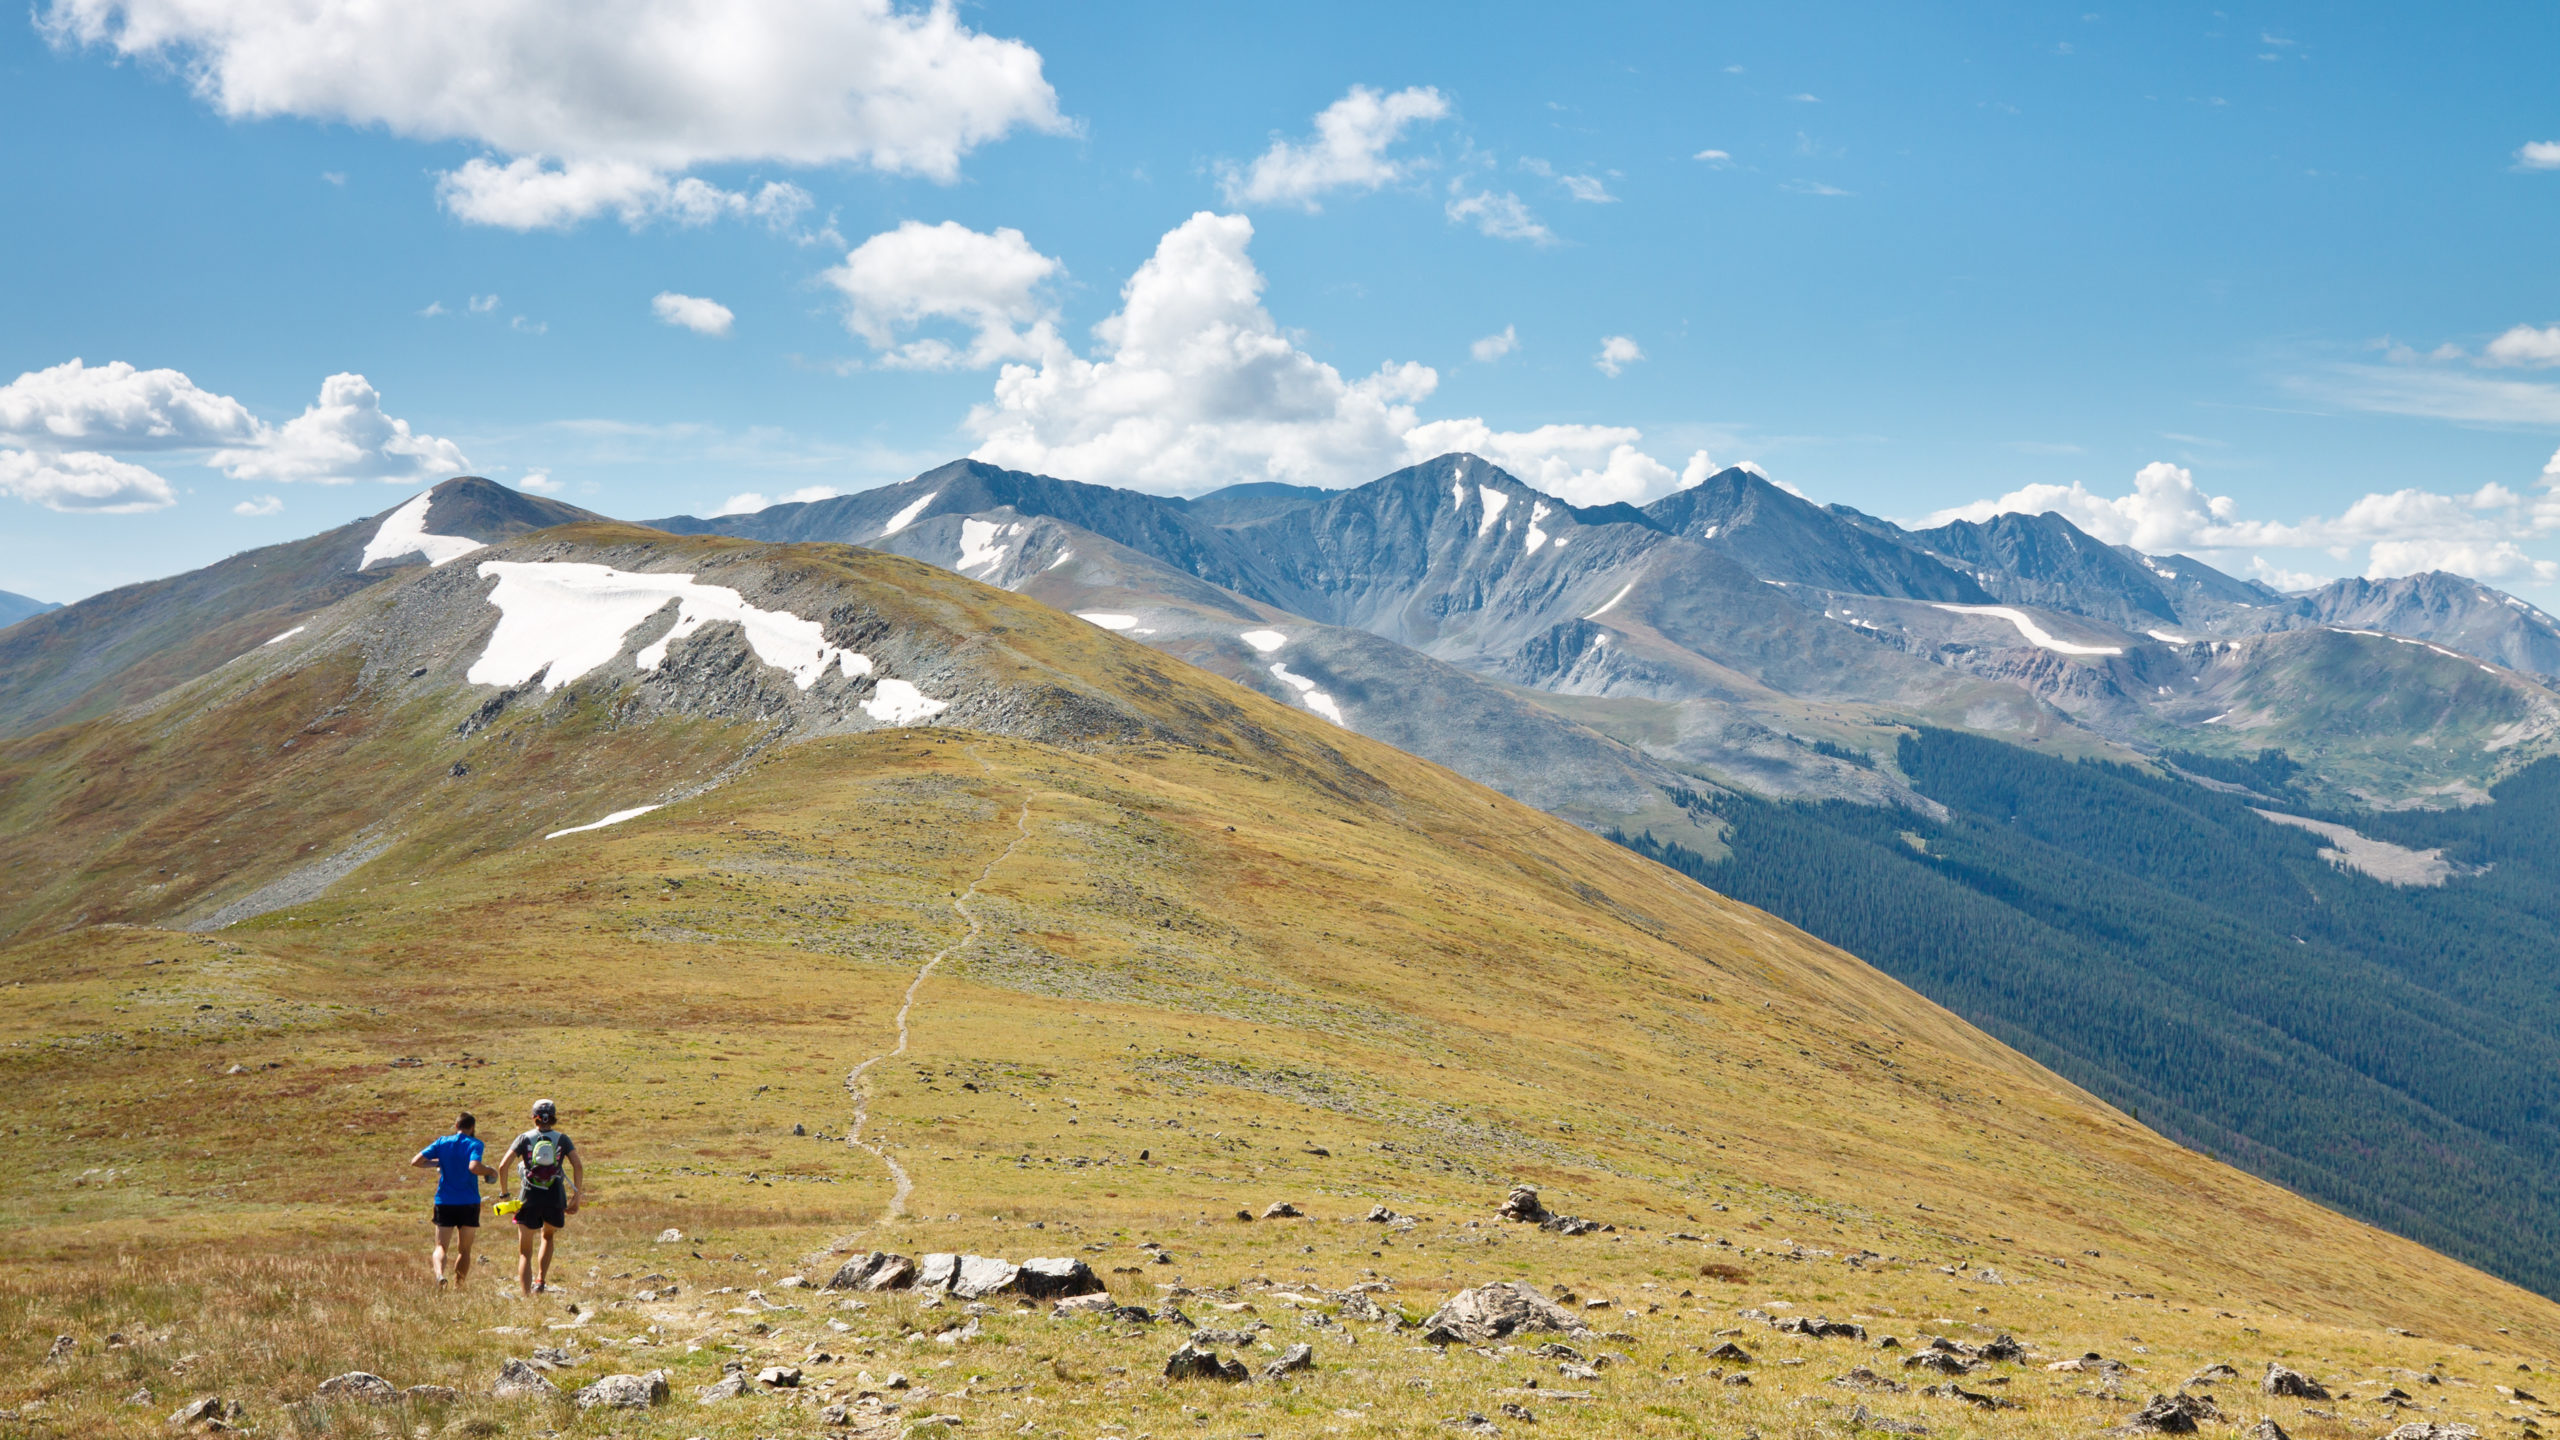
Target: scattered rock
523 1378
727 1387
1737 1379
206 1410
1296 1357
2280 1381
2004 1348
1282 1210
671 1236
780 1377
623 1392
1938 1361
2213 1375
357 1385
61 1351
1523 1204
1514 1410
1360 1307
2171 1415
1819 1328
1975 1398
1190 1362
1862 1418
1863 1378
1731 1353
2265 1429
1098 1303
1569 1225
1497 1311
430 1395
2441 1430
139 1397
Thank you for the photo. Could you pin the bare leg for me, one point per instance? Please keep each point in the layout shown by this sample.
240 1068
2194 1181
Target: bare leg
463 1236
525 1237
549 1233
444 1238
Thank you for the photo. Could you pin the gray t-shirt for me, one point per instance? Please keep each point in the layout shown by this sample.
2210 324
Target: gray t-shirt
542 1177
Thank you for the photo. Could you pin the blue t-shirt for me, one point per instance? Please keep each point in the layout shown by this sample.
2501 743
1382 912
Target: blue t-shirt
454 1156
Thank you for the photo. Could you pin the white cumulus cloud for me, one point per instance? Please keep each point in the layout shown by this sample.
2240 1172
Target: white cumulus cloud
590 108
1494 347
2401 531
1498 213
2539 155
991 285
1347 152
748 502
260 505
1193 386
118 407
344 436
2525 345
1617 352
82 481
702 317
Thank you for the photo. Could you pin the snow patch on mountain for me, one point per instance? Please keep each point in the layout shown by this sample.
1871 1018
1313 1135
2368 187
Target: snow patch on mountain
1265 641
1108 620
896 702
289 634
1494 501
404 532
1315 699
562 619
2035 634
978 547
907 516
1537 537
616 818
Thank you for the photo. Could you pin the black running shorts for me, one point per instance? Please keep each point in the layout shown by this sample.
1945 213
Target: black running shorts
545 1206
464 1217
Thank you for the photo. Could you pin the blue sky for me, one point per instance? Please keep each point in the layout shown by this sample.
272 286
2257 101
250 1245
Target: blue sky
2272 285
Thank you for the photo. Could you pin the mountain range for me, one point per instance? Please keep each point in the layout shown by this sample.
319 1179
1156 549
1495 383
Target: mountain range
2277 945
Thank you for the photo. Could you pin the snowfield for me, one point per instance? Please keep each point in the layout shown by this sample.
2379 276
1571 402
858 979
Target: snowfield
907 516
1107 619
563 619
1315 699
404 532
1265 641
2036 634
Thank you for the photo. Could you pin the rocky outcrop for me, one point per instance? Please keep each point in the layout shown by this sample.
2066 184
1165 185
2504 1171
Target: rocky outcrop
878 1270
522 1379
2291 1383
1497 1311
359 1386
1192 1362
623 1392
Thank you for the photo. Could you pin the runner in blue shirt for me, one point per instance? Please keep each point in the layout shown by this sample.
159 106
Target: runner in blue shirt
456 1159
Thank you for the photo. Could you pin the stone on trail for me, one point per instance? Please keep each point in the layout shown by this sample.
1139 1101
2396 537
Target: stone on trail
357 1385
1523 1204
1497 1311
2280 1381
522 1378
1296 1357
1190 1362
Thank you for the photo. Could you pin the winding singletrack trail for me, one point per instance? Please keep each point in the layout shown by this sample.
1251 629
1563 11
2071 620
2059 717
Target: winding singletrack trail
857 1082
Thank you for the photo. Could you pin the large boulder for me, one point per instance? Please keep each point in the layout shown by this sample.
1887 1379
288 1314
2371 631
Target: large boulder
1523 1204
1050 1278
357 1385
727 1387
1496 1311
878 1270
623 1392
2172 1415
939 1270
2280 1381
980 1275
521 1379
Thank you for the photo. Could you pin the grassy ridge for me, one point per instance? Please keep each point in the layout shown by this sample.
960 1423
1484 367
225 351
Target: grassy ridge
1287 965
